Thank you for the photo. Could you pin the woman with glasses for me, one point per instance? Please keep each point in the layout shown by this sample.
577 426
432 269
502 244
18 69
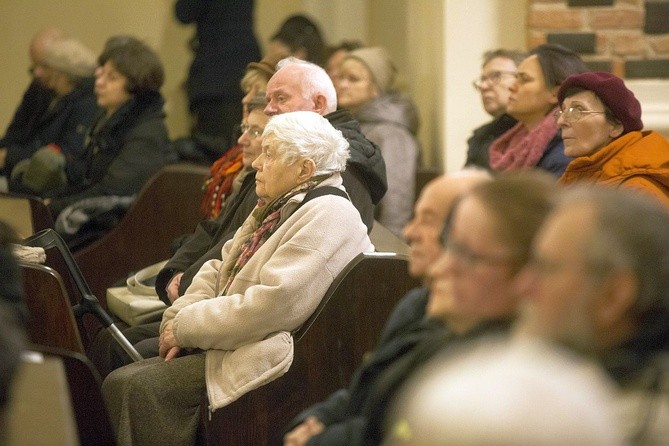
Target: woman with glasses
601 127
535 141
498 73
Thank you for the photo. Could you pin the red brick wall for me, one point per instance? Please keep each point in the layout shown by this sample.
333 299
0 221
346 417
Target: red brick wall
618 32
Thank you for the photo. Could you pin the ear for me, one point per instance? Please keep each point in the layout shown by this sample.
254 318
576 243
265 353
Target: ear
553 92
320 104
619 297
616 130
307 169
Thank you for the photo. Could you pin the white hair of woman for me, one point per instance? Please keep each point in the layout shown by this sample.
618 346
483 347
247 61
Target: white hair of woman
306 134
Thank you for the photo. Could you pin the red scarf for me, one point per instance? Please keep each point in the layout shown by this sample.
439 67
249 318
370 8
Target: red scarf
519 148
219 185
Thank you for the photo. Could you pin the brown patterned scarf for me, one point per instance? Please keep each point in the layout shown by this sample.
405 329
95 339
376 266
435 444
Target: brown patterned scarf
266 218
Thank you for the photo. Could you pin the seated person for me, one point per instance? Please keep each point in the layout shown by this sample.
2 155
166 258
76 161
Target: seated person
388 118
239 311
36 99
498 73
58 134
535 140
601 127
128 143
598 284
13 315
300 37
488 242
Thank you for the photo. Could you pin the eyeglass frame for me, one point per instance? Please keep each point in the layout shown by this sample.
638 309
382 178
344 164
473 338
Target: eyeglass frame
493 78
245 128
574 111
472 259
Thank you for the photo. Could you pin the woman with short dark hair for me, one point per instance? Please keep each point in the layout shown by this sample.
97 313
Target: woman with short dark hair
128 143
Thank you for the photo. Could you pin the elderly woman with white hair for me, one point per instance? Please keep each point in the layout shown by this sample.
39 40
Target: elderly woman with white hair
230 332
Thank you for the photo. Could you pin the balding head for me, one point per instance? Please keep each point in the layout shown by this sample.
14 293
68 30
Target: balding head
41 41
300 86
430 212
38 50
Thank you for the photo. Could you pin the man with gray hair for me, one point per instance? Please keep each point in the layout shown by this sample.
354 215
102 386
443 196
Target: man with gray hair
59 107
599 283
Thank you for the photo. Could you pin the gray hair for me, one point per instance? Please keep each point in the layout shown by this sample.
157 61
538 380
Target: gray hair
306 134
632 233
314 81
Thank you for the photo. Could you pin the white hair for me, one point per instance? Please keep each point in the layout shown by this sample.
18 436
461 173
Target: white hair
314 81
306 134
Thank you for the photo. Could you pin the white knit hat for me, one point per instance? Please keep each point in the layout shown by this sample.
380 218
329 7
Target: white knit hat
70 56
378 62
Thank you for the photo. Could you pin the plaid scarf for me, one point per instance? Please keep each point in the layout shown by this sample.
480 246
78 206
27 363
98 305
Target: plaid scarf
265 219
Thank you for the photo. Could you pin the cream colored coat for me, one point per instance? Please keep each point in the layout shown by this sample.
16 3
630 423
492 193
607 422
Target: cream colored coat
246 333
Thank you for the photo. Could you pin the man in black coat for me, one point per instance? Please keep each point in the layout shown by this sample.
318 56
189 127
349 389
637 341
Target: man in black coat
296 86
36 99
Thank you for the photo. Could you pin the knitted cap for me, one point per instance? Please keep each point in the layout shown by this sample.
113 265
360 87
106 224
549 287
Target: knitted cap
611 90
70 56
378 62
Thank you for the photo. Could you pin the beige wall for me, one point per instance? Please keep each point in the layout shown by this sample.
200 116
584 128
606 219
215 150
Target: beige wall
435 43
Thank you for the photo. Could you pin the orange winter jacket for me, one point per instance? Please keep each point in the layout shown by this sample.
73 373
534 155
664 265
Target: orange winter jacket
637 159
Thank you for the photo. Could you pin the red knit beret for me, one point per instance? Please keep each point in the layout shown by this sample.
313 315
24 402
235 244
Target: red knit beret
611 90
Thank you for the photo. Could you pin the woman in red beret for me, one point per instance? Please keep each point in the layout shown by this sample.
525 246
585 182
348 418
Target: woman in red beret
601 128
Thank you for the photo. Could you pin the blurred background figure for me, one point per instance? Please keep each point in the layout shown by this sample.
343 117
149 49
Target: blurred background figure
535 142
223 45
12 318
389 119
37 166
598 284
128 143
505 394
498 74
602 130
300 37
36 98
336 55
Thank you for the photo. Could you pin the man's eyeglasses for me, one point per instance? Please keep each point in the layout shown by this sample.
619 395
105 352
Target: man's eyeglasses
470 258
493 78
572 114
254 132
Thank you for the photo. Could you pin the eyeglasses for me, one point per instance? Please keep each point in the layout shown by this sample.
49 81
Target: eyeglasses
254 132
493 78
470 258
571 115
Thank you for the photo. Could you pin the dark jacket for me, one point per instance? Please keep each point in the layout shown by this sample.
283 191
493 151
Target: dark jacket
224 44
365 167
33 105
554 160
122 153
353 416
65 124
482 137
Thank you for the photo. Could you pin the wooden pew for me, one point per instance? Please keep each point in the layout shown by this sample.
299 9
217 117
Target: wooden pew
166 208
328 348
